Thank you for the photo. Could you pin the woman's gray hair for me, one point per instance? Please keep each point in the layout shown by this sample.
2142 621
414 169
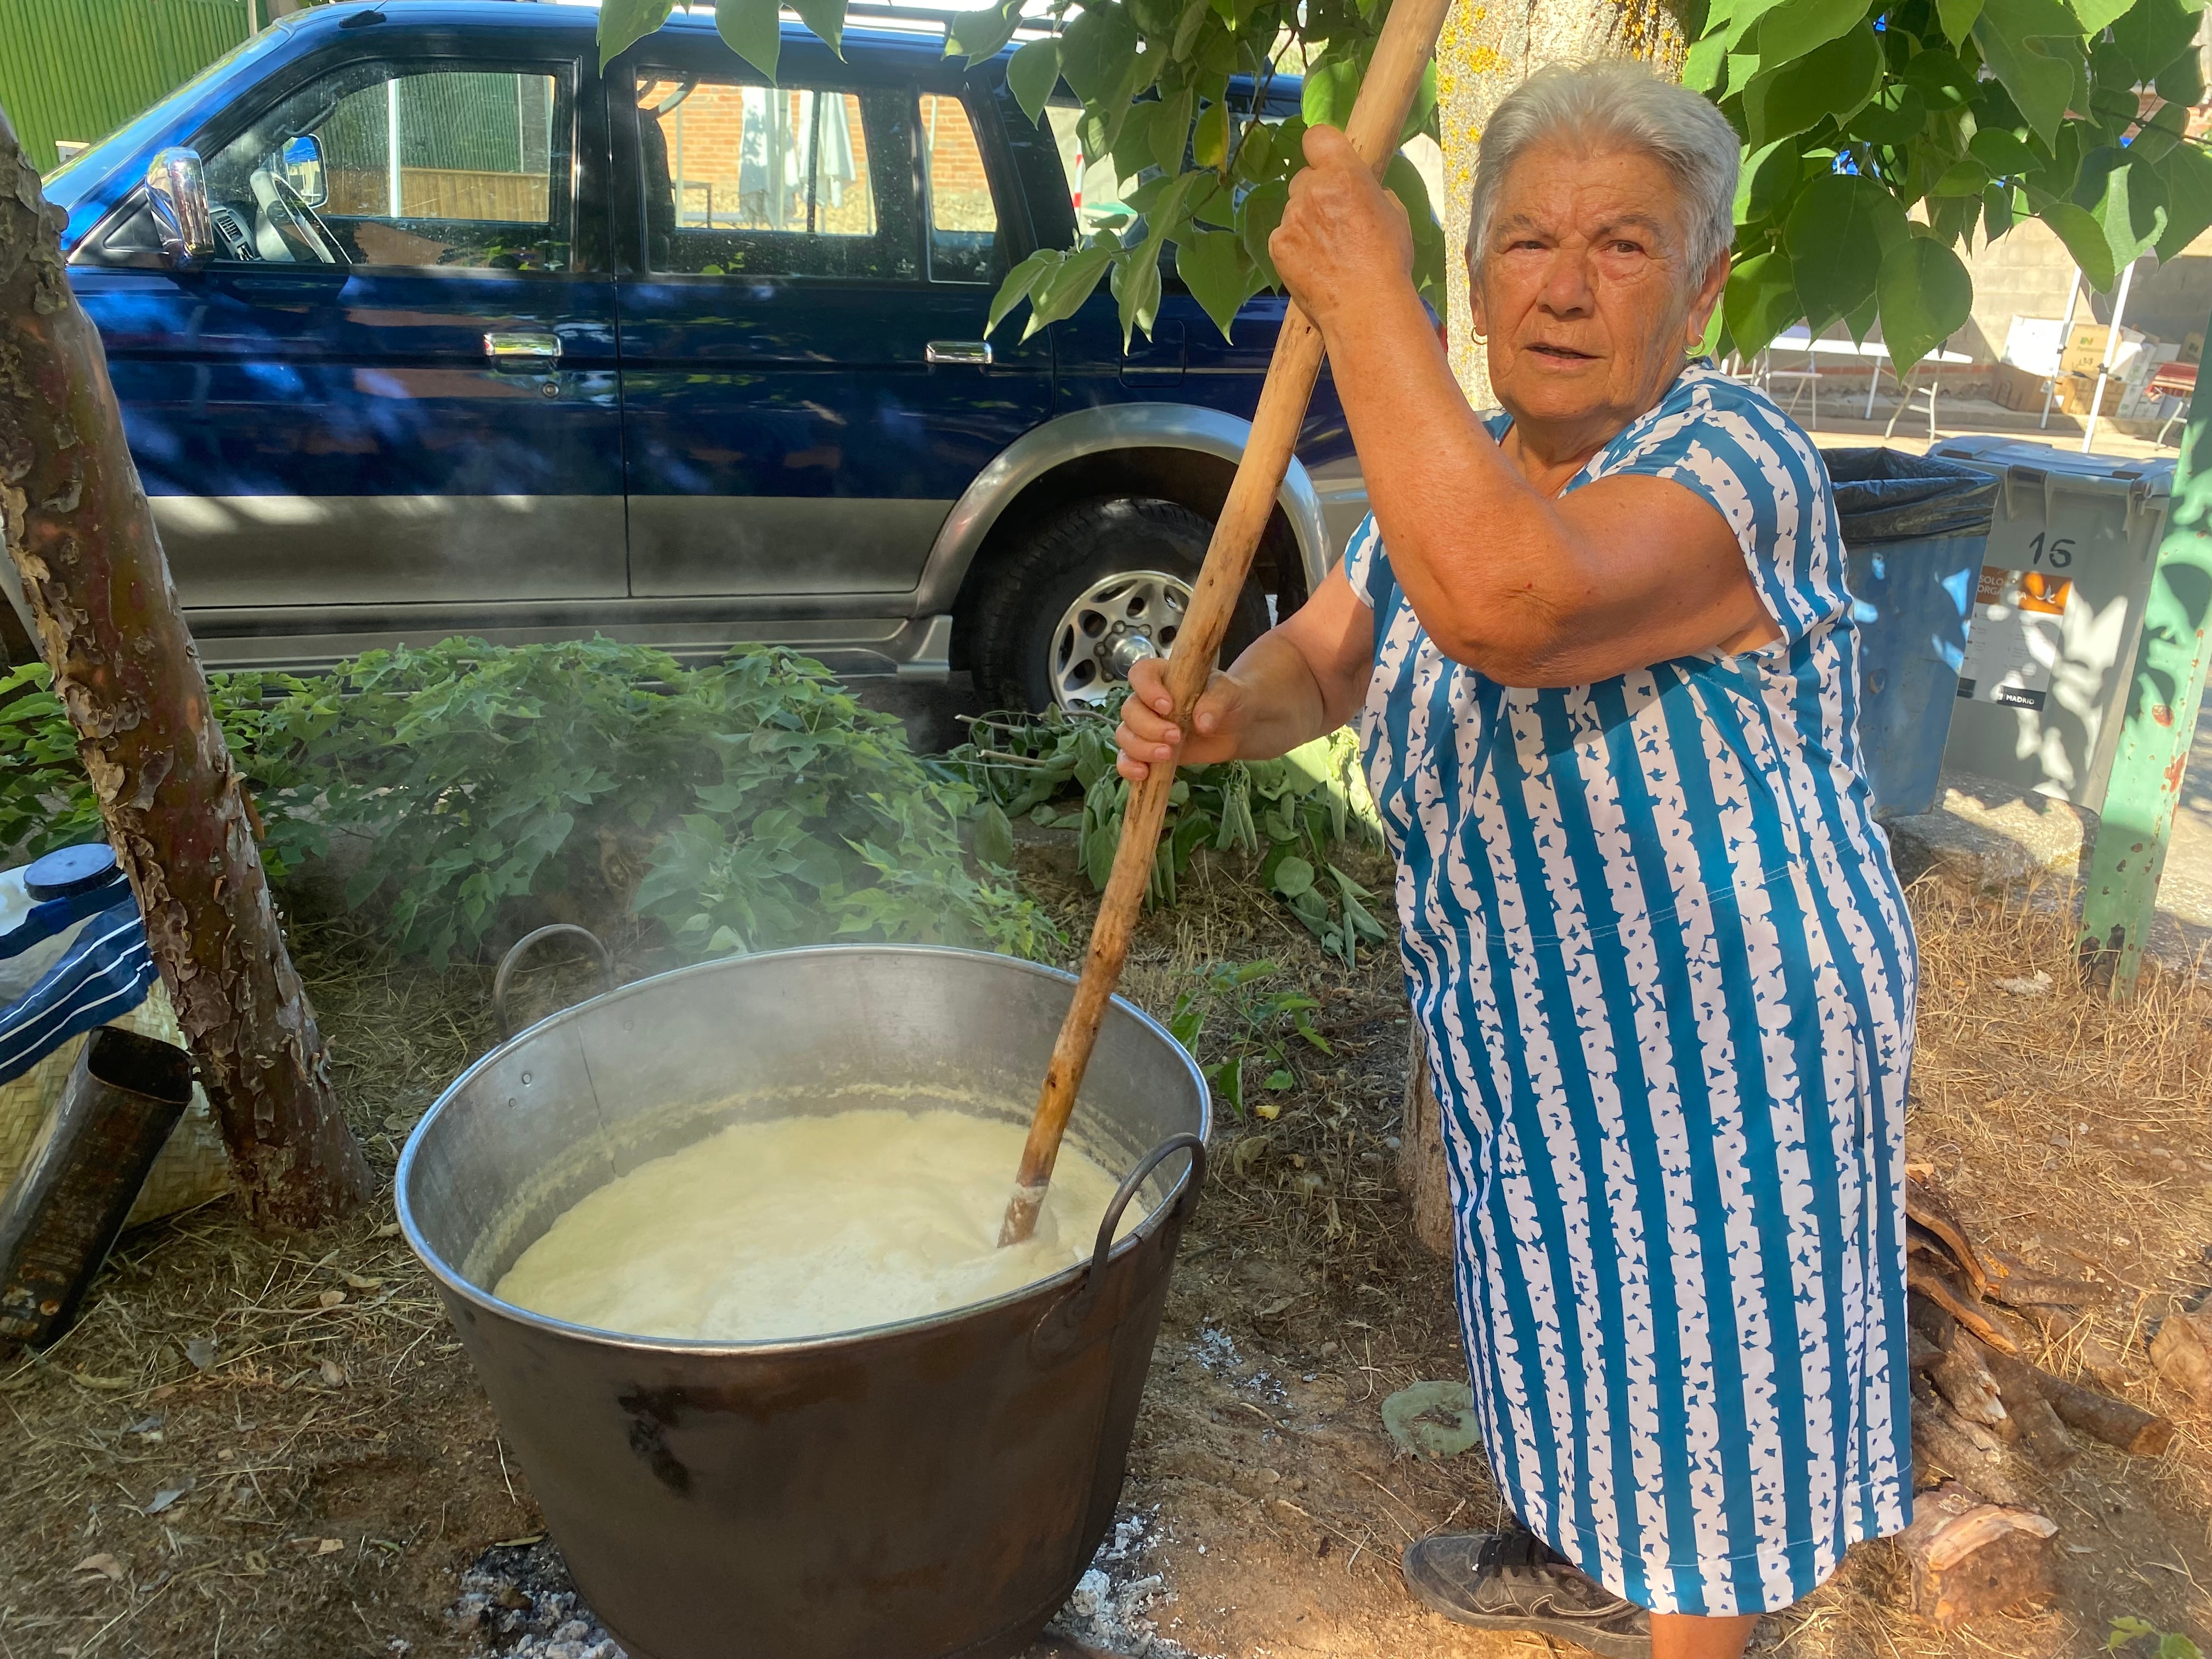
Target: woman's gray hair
1617 104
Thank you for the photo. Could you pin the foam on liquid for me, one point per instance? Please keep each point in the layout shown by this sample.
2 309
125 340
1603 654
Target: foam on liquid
802 1226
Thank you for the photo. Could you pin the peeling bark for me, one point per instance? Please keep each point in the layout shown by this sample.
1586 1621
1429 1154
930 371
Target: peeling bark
78 528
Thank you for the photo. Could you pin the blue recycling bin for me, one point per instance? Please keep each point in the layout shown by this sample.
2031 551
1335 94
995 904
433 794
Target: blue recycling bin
1914 531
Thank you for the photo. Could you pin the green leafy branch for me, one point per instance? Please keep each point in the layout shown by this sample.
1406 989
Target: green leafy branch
1285 816
1208 171
1879 137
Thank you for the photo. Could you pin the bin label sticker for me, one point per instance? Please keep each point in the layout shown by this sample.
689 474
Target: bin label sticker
2015 642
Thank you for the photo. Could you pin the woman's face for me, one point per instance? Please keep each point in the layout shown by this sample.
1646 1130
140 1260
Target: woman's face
1585 291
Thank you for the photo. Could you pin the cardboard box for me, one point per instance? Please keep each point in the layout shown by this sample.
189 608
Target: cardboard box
2015 387
2136 403
2076 390
2085 348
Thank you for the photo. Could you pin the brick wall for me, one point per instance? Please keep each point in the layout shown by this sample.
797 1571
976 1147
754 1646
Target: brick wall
706 136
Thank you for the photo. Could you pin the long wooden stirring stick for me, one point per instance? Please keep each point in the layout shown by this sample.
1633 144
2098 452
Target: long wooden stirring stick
1408 42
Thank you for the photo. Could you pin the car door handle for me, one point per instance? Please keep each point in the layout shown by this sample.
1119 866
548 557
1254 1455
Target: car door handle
976 353
521 345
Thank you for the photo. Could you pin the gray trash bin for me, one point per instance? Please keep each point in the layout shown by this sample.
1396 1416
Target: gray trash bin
2058 611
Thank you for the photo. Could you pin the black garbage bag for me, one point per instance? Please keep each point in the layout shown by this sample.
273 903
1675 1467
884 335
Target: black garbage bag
1888 495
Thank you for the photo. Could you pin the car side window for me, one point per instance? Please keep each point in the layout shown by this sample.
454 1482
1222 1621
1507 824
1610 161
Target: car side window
739 179
406 166
963 220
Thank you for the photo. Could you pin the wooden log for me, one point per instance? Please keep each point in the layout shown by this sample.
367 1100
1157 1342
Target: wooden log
1961 1378
2099 1416
1921 1354
1971 1558
2182 1350
1944 1443
2034 1424
1926 1205
1981 1320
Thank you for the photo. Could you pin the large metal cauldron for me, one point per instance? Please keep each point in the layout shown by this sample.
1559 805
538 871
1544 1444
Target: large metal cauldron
928 1489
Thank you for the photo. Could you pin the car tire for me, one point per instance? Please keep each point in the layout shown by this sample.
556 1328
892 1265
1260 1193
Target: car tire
1127 559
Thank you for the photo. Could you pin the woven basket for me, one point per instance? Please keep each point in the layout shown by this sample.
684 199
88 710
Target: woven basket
193 1166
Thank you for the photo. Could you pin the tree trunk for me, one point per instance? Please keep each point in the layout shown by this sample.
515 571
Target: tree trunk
1421 1170
1484 54
78 528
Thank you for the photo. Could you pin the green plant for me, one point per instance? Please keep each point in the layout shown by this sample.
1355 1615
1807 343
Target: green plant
1288 814
2127 1629
1975 113
1854 114
1253 1028
46 798
746 805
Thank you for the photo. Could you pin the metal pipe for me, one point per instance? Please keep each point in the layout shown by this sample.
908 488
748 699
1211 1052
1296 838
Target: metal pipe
391 147
2111 344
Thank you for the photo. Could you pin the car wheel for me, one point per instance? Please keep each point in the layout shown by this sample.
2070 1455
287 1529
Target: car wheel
1097 587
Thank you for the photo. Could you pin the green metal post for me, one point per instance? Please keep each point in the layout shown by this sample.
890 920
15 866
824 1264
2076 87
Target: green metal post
2168 686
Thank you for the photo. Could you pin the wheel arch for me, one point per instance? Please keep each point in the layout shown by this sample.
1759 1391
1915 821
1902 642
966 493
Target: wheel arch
1175 451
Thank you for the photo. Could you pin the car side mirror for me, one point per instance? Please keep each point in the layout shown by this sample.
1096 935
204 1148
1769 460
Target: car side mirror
177 194
302 159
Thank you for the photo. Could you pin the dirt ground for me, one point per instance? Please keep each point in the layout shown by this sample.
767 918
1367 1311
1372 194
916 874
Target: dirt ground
257 1447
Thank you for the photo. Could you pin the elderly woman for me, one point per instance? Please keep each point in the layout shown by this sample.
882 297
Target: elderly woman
1604 670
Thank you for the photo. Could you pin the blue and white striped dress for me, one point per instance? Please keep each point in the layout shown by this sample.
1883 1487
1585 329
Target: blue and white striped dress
1665 974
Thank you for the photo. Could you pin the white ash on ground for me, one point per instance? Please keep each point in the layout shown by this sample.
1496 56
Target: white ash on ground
1111 1608
518 1602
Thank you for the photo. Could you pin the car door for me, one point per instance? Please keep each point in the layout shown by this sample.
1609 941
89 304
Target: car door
806 385
391 406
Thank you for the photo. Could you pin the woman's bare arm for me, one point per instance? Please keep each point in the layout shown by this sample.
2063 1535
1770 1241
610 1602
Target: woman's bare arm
1295 683
1529 590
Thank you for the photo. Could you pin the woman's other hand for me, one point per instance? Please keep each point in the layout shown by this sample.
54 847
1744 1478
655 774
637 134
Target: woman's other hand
1148 735
1341 233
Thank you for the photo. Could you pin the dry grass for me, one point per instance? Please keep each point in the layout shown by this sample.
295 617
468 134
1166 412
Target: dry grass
332 1403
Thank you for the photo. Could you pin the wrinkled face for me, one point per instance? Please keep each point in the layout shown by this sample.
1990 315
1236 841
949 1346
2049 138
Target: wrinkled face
1585 289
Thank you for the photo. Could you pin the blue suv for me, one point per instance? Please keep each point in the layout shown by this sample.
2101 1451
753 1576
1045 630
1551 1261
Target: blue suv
480 338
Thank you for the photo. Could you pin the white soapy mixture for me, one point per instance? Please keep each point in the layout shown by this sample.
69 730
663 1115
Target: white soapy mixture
802 1226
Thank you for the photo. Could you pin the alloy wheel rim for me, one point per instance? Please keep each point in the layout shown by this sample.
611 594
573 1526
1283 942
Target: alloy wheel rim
1115 623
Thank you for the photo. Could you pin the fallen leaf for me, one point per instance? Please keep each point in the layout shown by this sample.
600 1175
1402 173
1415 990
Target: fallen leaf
201 1351
330 1546
1435 1419
330 1298
518 1543
333 1374
169 1494
104 1384
2037 984
389 1229
354 1281
102 1562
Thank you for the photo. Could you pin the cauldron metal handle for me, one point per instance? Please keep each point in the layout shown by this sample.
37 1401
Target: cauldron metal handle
1111 1222
522 947
1061 1325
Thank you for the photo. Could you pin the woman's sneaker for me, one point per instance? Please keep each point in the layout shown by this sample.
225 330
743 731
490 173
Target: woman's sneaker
1513 1581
